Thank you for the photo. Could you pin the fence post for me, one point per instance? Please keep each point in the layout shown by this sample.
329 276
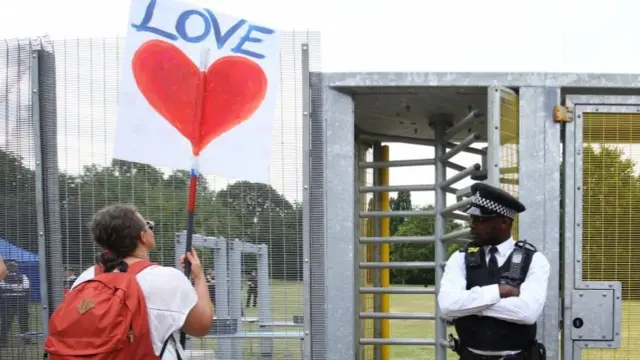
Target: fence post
39 173
45 118
385 276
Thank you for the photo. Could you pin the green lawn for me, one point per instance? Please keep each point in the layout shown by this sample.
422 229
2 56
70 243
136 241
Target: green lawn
287 301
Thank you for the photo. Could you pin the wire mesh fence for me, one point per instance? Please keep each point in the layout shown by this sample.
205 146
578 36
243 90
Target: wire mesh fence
20 292
75 116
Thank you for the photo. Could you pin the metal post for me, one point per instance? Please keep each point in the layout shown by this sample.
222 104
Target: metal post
440 124
235 293
222 293
37 134
493 136
364 229
377 280
306 146
384 254
264 302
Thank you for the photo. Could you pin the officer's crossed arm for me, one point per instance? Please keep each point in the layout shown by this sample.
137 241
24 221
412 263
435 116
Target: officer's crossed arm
454 299
526 307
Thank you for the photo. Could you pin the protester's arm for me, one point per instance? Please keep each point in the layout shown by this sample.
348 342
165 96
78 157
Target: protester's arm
200 317
454 299
528 305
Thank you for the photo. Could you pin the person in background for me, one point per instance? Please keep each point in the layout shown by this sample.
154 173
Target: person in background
14 300
211 282
253 289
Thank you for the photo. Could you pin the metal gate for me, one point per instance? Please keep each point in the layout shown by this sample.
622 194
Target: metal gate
498 165
601 228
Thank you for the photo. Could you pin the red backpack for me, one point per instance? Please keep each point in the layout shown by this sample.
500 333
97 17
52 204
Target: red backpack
104 318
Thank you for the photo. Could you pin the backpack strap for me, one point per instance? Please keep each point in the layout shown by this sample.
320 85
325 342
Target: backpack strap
179 350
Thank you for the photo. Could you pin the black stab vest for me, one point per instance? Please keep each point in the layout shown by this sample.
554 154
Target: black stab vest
488 333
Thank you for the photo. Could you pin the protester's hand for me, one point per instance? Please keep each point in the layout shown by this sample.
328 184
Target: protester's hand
194 260
508 291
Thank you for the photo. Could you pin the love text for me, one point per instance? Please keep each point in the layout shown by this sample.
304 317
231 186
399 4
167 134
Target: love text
252 33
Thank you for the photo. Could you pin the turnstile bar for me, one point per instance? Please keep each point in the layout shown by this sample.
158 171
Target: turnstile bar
398 265
370 214
459 176
397 341
462 146
457 206
393 188
454 166
397 240
456 234
395 163
397 290
474 114
397 316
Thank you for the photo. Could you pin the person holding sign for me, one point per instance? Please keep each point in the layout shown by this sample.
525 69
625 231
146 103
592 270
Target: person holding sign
169 300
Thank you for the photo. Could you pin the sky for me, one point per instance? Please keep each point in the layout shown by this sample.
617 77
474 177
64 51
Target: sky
452 35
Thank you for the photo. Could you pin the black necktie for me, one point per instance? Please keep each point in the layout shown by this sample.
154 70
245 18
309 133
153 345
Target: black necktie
493 261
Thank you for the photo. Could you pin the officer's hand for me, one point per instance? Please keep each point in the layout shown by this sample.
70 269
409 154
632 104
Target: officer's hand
508 291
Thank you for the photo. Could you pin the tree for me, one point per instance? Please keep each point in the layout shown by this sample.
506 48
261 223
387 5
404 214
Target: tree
418 226
266 217
18 207
401 203
610 216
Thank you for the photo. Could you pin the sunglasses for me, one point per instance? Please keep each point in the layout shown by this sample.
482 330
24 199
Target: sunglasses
150 225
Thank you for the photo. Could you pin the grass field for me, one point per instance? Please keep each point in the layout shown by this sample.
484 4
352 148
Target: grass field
287 301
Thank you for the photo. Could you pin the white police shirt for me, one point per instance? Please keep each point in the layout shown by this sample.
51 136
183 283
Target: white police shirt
454 300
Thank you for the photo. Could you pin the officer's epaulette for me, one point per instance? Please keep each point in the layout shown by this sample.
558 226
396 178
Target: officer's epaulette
526 245
470 247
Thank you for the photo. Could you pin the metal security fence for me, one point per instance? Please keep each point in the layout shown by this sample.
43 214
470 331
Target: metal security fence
59 101
19 232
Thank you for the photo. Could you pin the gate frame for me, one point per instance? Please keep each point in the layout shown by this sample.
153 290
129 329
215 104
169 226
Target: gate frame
332 128
573 174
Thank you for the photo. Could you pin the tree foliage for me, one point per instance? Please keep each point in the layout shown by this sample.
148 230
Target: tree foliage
401 203
254 212
417 226
611 215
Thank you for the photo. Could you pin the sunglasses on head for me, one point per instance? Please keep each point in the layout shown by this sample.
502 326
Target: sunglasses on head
150 225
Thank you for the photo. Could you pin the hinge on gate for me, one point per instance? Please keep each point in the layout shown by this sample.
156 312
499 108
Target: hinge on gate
562 114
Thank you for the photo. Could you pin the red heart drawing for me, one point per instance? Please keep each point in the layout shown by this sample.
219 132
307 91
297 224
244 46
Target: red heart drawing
200 105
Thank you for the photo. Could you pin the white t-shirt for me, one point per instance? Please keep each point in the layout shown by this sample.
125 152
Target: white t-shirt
169 296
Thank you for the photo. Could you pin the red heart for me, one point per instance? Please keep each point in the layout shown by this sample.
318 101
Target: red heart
200 105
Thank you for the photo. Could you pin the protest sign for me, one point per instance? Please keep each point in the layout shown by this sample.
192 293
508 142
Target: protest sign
197 91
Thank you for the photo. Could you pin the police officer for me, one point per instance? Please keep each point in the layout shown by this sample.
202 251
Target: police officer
14 299
493 310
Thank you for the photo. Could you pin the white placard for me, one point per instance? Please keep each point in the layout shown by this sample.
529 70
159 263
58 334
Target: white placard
197 84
